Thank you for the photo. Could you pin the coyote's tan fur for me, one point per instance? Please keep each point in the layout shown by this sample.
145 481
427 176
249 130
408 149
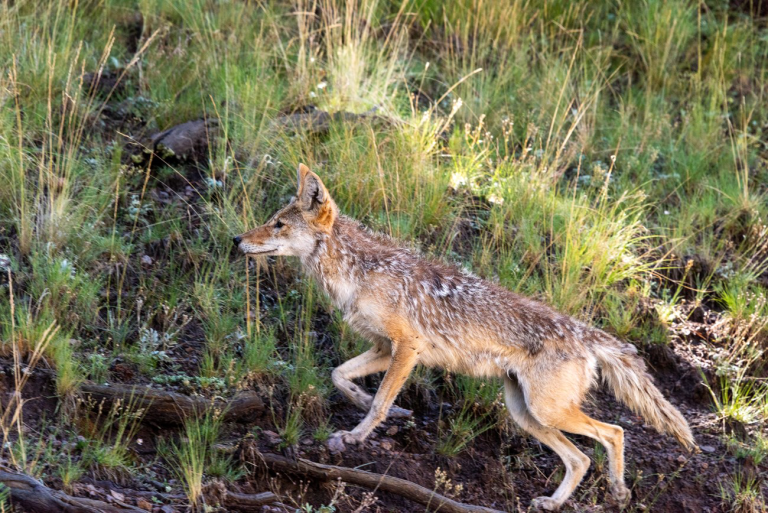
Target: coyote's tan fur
419 311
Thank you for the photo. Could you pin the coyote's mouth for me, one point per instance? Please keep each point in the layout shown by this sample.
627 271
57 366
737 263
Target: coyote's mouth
262 252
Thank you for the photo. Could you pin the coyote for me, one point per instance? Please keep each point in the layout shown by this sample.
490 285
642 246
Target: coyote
415 310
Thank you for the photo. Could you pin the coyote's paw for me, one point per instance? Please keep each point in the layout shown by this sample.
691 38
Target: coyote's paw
621 493
545 504
338 439
395 412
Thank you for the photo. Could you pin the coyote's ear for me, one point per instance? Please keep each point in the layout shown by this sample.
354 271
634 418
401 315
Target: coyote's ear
301 172
312 193
314 198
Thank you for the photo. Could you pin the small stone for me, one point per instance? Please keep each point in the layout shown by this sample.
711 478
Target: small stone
272 437
146 260
306 441
5 262
707 448
386 445
681 459
392 431
705 465
143 504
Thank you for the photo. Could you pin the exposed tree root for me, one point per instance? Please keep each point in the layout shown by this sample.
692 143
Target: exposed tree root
233 501
411 491
163 407
217 493
30 495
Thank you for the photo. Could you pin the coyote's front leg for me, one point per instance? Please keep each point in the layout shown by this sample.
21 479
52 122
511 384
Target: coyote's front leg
370 362
404 358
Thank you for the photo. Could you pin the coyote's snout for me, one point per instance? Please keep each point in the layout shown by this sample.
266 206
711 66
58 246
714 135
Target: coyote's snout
418 311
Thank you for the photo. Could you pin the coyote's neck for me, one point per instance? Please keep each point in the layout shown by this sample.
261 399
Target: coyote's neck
335 262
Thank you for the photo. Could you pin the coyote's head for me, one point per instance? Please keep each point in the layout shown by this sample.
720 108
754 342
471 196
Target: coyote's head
296 228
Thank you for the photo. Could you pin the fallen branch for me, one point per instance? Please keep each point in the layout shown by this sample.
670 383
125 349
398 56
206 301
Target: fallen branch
231 500
424 496
248 501
32 496
165 407
109 487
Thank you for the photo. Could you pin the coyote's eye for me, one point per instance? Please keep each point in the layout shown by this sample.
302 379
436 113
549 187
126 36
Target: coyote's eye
278 224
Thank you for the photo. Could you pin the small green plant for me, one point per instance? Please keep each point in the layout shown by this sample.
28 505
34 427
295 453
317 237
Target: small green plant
68 372
667 307
755 448
741 298
69 470
482 393
258 352
35 453
743 494
108 435
600 457
251 360
463 428
5 499
14 442
324 508
96 368
620 313
190 456
223 466
742 400
293 427
323 431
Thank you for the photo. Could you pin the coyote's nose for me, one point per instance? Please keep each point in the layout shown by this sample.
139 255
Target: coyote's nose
237 240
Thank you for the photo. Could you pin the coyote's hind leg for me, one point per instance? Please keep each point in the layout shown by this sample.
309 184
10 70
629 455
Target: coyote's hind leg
576 462
610 436
554 402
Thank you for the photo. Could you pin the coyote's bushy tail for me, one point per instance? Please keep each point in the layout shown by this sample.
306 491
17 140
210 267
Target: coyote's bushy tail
626 374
